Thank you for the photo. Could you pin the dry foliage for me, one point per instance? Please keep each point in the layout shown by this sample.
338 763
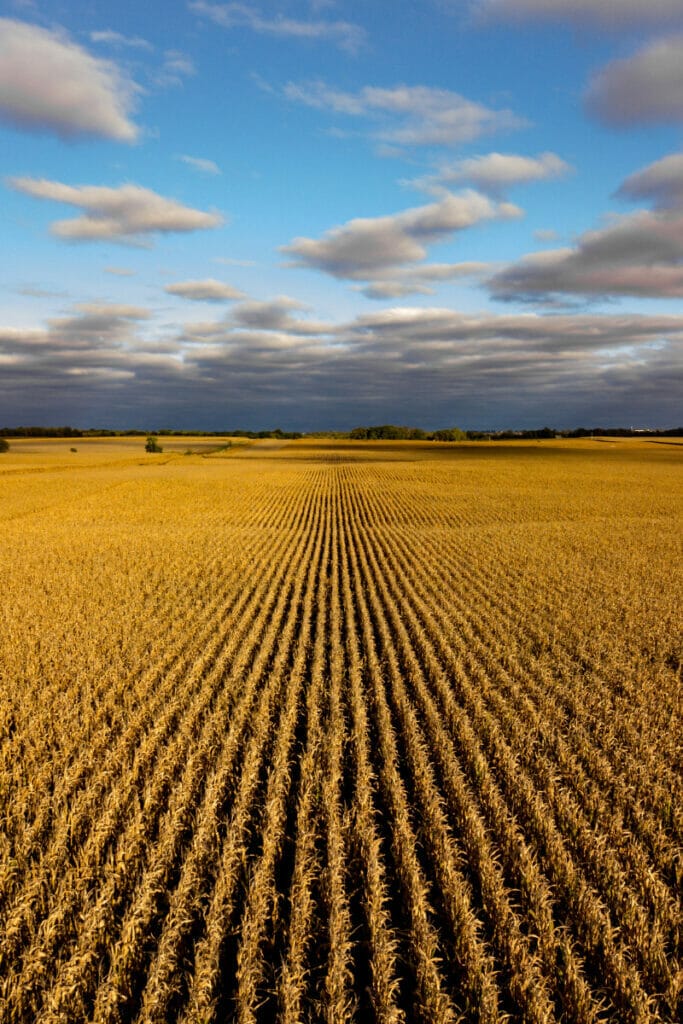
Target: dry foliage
341 732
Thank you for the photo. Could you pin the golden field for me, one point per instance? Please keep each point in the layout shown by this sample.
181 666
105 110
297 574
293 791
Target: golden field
341 731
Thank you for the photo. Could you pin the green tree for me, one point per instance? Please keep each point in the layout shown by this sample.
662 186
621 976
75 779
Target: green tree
450 434
4 446
152 445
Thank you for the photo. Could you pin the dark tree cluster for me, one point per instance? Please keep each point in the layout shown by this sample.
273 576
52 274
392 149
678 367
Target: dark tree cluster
383 432
388 432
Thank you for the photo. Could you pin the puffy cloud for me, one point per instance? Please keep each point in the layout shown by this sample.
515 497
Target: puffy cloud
267 323
94 323
418 279
198 163
661 182
608 13
495 173
395 289
563 332
50 83
409 115
17 340
365 247
203 332
127 213
642 89
275 315
343 34
640 255
208 290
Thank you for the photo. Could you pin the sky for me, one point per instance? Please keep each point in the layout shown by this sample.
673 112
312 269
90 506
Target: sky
315 214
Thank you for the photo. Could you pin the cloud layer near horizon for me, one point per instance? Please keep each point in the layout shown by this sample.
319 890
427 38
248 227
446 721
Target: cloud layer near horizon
440 366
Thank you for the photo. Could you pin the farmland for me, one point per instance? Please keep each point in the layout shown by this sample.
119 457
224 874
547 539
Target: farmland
333 731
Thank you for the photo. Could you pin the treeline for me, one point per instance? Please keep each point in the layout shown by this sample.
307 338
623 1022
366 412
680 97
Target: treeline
390 432
42 432
383 432
18 432
286 435
622 432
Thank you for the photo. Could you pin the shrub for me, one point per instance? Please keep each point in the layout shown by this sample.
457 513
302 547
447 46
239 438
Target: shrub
152 445
4 446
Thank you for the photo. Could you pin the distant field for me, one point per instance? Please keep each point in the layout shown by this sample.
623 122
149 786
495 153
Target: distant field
341 731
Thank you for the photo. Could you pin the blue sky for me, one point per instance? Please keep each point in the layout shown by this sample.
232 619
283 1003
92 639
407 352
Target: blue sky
317 214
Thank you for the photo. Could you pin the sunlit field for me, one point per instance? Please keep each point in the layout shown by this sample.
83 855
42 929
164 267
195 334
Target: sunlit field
340 731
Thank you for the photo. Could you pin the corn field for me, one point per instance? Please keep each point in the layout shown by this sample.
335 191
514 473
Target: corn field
341 732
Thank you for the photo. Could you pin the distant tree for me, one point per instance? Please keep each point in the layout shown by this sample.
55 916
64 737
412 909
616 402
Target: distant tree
152 445
387 432
451 434
4 445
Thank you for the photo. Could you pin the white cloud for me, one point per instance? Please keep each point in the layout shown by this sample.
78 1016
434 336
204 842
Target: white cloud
346 35
119 271
127 213
639 255
364 248
546 235
394 289
661 182
399 282
208 290
200 164
275 315
613 14
495 173
94 323
111 38
643 89
49 83
176 67
409 115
